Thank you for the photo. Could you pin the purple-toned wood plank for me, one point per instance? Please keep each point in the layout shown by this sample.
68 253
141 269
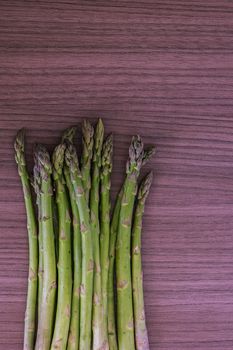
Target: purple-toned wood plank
159 68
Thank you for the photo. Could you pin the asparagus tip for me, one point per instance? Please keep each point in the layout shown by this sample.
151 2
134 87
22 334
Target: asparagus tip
107 154
136 154
109 140
99 137
69 134
100 123
99 131
148 153
58 159
19 147
145 186
87 137
19 139
42 158
87 129
71 157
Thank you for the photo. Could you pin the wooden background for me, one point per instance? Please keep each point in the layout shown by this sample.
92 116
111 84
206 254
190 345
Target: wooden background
163 69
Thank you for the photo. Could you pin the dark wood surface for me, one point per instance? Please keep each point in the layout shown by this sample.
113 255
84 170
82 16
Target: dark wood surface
163 69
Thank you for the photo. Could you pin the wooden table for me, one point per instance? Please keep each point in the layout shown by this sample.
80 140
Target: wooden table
163 69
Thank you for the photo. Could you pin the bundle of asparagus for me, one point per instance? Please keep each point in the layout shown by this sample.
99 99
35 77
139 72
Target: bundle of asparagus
85 288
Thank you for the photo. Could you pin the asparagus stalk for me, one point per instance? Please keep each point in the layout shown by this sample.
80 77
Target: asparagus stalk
141 336
123 266
99 327
105 207
36 185
68 136
137 158
55 225
87 142
62 321
73 340
112 337
30 314
86 288
46 317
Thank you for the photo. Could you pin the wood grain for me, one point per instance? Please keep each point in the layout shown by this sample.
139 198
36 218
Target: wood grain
163 69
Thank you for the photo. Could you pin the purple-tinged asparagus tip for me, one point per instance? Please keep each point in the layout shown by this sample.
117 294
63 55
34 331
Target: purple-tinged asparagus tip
41 156
135 155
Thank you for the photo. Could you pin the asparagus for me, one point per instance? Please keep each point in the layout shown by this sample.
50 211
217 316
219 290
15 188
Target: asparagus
105 207
86 288
69 134
55 225
148 153
46 317
137 158
40 265
99 327
30 314
141 336
62 322
87 142
67 137
123 268
112 337
73 340
103 246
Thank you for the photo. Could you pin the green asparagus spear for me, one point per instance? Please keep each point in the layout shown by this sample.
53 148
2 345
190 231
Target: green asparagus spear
36 185
55 224
141 336
62 322
86 288
47 310
123 266
137 158
73 340
112 336
99 327
30 314
87 142
68 136
105 207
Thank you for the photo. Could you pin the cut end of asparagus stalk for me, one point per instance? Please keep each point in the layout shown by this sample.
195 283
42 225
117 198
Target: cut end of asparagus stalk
107 155
136 154
42 158
58 160
19 148
145 186
69 134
